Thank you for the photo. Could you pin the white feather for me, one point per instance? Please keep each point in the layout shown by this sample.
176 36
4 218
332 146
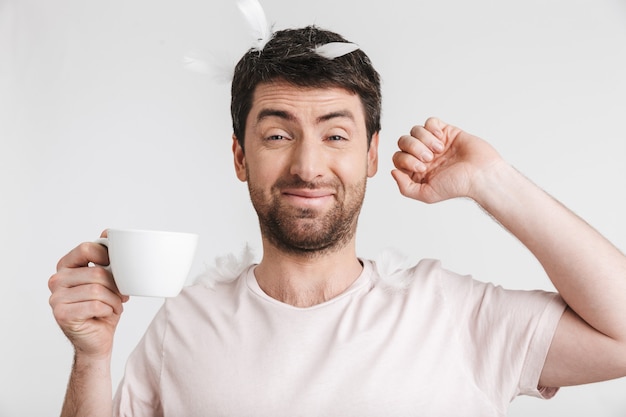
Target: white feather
391 266
219 66
255 16
195 64
334 50
227 268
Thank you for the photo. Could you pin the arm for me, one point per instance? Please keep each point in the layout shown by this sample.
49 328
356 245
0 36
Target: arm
587 270
89 390
87 307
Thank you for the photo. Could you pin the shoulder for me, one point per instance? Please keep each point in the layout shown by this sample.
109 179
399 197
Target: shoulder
396 272
211 293
393 272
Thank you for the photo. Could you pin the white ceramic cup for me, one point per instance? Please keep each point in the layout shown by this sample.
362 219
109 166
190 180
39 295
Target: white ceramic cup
150 263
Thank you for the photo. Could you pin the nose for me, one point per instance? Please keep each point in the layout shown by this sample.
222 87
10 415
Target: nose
307 160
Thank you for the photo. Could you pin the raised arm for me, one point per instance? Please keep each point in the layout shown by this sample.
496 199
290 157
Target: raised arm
87 306
438 161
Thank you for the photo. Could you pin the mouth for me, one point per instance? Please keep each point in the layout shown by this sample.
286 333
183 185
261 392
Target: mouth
308 197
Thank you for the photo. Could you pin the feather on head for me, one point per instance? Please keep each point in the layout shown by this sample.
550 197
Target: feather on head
334 50
255 16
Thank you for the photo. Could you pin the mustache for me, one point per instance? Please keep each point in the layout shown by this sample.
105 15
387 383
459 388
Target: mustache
297 182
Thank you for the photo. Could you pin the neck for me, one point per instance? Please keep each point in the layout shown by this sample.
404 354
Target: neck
304 281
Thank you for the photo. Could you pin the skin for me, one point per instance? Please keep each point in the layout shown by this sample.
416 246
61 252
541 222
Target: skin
297 142
297 137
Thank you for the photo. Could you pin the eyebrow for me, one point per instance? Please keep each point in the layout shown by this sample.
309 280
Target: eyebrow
343 114
281 114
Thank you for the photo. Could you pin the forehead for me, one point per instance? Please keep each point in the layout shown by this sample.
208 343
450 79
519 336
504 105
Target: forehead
305 102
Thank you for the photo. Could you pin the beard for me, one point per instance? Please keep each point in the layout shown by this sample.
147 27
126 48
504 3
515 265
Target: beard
308 231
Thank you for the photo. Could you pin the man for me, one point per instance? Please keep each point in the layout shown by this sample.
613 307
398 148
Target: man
314 330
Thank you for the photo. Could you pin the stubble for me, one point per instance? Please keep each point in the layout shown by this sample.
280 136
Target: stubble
306 231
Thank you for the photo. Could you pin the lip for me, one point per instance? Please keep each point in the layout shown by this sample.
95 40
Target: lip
307 193
312 198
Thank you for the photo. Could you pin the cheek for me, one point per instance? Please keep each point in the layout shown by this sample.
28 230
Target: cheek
261 175
351 170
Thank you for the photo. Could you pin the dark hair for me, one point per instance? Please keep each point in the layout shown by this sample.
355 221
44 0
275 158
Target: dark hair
289 57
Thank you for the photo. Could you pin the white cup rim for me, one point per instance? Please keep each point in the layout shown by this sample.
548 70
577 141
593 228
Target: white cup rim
148 231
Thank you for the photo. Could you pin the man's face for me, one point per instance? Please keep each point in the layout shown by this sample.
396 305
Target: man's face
306 162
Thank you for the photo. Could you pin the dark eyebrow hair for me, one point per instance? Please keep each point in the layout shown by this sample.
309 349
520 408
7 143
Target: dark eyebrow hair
281 114
336 114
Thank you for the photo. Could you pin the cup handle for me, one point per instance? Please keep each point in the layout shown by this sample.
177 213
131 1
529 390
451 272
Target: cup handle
104 242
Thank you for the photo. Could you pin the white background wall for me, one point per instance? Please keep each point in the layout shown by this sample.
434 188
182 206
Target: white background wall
101 126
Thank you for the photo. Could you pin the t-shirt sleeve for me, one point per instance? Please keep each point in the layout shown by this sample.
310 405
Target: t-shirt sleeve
539 346
139 391
507 334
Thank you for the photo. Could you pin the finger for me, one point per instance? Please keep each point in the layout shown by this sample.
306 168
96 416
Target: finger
105 233
433 140
408 163
413 146
84 254
71 317
72 277
436 126
88 293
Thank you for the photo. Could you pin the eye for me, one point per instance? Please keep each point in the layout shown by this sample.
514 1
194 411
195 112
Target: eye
275 137
336 138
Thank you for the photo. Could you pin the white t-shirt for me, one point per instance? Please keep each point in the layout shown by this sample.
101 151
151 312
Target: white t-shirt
443 345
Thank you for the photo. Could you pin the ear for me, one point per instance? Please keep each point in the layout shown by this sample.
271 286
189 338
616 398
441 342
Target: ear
240 160
372 156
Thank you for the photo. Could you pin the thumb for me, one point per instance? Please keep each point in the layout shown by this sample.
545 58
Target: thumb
406 185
